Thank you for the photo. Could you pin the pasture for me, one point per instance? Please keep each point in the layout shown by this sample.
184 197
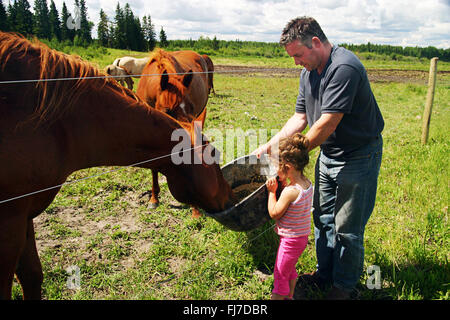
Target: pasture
124 250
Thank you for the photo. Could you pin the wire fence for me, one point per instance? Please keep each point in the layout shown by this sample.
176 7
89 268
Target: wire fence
247 70
157 284
106 77
99 174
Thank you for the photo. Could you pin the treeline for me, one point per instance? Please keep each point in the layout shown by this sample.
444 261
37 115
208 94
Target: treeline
45 22
125 31
214 46
397 52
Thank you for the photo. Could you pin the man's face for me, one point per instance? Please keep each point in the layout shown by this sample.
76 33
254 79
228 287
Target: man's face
308 58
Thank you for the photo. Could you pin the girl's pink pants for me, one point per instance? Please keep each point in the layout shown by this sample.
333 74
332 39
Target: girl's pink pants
289 251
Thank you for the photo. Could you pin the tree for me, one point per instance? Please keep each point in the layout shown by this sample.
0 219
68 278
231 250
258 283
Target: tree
85 24
149 33
20 17
103 30
138 35
163 38
215 44
66 33
41 23
129 27
55 23
4 25
119 30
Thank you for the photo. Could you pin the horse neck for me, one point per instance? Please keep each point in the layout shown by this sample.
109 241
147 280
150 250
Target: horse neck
110 129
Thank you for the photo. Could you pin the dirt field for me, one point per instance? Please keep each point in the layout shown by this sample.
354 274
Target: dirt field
375 75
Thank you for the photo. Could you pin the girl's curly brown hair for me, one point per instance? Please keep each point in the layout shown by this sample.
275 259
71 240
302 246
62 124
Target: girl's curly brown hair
294 150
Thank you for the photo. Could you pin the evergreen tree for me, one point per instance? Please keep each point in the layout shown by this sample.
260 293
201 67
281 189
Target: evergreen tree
20 17
86 25
103 30
215 44
129 28
149 33
111 33
66 33
41 22
55 24
139 35
4 26
11 17
133 30
120 29
163 38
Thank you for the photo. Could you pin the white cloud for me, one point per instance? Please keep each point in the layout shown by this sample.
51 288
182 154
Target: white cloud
402 22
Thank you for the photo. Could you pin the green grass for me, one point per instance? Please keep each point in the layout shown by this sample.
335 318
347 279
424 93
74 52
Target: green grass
127 251
103 56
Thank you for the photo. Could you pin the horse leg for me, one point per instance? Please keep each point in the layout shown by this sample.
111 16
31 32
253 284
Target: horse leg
154 202
29 269
129 82
195 213
12 242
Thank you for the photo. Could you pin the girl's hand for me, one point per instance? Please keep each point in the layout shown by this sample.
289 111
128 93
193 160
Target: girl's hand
272 184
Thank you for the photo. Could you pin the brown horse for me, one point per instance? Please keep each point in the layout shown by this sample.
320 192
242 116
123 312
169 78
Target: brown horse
210 66
50 129
181 91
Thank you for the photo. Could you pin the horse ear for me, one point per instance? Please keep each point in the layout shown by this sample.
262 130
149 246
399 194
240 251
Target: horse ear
164 80
187 78
201 117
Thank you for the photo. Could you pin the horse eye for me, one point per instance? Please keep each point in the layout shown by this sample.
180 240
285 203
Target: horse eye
171 113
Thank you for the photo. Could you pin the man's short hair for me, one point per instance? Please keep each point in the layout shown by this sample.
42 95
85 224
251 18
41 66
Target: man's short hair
303 29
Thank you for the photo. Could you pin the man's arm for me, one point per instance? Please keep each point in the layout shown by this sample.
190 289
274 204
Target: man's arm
296 123
323 128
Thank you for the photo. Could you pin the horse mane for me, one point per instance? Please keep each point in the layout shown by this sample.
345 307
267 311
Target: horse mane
56 97
166 63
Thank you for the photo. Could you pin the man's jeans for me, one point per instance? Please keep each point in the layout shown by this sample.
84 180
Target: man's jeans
344 198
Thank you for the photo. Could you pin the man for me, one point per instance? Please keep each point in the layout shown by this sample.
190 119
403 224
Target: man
336 101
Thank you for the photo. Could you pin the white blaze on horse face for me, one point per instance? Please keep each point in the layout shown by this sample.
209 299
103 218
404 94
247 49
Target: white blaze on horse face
183 107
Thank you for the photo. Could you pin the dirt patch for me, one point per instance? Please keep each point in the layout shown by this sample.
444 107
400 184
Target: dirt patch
92 236
257 71
375 75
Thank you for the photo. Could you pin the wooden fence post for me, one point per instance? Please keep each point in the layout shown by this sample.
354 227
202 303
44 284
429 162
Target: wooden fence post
429 101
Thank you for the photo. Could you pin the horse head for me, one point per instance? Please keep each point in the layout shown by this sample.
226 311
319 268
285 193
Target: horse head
196 177
173 98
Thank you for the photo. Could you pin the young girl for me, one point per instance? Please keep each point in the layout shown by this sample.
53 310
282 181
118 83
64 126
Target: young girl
292 212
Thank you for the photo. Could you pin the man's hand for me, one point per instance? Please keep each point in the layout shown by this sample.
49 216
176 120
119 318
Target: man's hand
296 123
265 148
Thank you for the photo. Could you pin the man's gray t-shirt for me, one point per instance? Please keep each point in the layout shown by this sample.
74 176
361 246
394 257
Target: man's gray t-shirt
342 87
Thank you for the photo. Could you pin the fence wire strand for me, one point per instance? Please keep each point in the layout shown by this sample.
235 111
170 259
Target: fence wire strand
133 75
260 70
97 175
106 77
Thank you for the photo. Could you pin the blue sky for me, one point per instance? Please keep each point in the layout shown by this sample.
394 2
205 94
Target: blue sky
403 22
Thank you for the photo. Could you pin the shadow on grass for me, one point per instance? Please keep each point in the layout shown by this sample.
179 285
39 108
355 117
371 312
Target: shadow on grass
426 278
262 244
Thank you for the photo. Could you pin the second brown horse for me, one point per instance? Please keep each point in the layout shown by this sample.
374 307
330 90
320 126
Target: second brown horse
177 83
